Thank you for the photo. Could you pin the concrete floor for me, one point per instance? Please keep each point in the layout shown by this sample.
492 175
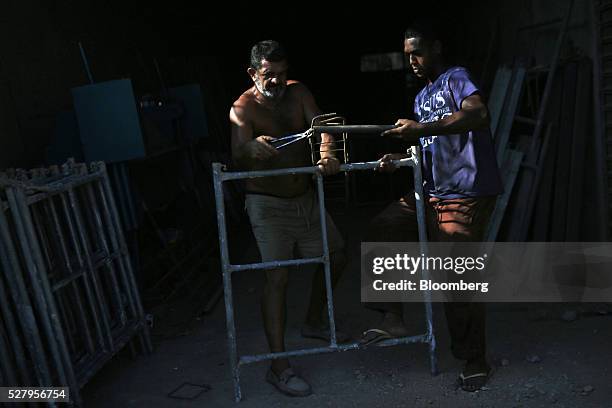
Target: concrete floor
540 360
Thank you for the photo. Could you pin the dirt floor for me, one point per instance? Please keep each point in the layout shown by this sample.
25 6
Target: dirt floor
540 359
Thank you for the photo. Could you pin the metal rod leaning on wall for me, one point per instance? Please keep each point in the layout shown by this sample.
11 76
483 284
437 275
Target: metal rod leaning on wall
82 271
116 247
46 244
114 226
65 370
7 320
59 189
25 313
235 362
118 301
39 297
91 267
10 323
7 371
72 276
109 202
78 227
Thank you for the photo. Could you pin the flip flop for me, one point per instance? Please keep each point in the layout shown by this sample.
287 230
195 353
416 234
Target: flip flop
373 336
322 333
289 383
474 382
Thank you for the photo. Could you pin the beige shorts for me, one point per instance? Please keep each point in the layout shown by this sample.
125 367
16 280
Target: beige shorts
282 225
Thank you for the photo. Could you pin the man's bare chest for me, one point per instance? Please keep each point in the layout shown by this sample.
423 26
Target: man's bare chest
278 122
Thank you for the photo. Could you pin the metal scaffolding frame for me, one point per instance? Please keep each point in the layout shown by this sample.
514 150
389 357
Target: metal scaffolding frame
221 176
64 261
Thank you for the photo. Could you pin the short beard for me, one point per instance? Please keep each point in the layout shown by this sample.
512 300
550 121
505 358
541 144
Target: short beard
278 91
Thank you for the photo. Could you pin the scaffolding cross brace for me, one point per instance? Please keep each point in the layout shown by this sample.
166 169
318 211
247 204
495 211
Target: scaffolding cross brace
220 176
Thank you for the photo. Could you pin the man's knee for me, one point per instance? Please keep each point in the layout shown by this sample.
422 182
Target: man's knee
277 279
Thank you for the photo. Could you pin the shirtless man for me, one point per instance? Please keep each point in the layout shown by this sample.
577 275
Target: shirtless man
283 210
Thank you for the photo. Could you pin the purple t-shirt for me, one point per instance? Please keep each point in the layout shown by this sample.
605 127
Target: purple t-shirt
459 165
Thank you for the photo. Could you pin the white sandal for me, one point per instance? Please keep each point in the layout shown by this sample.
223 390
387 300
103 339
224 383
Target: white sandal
289 383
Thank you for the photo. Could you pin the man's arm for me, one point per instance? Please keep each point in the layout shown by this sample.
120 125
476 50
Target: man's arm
246 151
473 115
329 163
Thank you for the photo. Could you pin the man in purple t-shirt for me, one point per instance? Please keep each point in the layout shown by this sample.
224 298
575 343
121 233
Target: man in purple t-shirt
461 182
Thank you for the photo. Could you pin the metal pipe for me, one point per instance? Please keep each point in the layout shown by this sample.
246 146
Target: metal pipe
41 249
25 313
90 271
330 349
67 280
114 173
332 129
7 371
335 129
326 260
219 177
113 224
51 188
422 227
67 318
93 206
86 63
125 182
227 280
88 290
146 338
39 297
72 276
238 175
274 264
66 372
113 227
39 230
6 315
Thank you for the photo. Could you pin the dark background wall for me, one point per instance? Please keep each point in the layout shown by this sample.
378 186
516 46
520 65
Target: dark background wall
198 41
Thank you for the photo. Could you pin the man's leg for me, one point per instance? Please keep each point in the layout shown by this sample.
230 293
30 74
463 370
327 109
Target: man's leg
317 310
309 242
396 223
274 311
465 220
271 219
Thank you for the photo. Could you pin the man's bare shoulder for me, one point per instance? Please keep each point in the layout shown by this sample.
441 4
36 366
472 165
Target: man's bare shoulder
242 107
297 87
